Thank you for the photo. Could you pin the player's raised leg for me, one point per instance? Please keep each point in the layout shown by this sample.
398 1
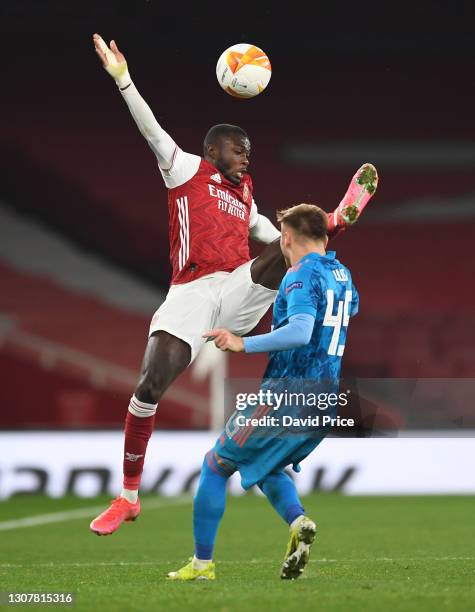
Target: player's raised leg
361 189
280 490
166 356
269 267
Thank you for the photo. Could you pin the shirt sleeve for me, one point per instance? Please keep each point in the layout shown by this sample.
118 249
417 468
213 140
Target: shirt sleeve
183 167
176 166
301 293
254 216
261 228
297 332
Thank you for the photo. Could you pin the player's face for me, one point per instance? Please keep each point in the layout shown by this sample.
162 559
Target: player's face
233 158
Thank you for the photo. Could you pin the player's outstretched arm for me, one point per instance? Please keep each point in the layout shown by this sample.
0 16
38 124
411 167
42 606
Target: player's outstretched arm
297 332
161 143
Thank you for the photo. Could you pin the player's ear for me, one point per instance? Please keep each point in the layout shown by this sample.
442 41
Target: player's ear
288 239
211 150
325 241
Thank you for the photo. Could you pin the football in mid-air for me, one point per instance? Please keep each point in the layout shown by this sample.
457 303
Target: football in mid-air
243 70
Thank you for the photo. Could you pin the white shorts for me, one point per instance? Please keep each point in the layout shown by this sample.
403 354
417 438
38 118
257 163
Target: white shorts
222 299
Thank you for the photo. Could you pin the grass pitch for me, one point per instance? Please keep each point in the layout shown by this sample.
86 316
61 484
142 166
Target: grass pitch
371 553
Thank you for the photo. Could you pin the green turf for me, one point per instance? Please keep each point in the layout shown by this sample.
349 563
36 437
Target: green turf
371 553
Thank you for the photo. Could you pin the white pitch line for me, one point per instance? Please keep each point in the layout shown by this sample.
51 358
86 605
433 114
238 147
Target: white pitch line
250 562
80 513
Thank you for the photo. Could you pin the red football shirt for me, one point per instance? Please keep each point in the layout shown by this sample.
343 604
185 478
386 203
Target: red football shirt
209 224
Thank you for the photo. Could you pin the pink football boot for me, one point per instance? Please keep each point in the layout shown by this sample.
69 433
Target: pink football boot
111 519
360 191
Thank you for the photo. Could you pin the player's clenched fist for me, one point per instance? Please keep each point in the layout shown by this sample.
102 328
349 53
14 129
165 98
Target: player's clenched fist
113 61
225 340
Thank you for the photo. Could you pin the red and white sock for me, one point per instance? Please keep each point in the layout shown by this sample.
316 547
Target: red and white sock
138 429
333 228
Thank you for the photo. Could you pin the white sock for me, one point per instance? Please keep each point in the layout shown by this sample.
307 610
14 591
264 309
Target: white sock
131 495
141 409
200 564
297 521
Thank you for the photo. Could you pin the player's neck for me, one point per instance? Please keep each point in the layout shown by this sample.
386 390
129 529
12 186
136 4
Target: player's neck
301 250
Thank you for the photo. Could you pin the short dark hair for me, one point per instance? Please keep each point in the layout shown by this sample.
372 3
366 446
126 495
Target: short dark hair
220 131
307 220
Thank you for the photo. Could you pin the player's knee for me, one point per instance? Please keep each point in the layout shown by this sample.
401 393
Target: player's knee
269 268
215 466
165 358
273 481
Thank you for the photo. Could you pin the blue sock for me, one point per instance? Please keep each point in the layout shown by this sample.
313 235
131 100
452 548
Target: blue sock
280 490
208 508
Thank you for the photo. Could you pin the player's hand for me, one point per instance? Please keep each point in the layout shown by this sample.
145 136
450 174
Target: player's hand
225 340
113 61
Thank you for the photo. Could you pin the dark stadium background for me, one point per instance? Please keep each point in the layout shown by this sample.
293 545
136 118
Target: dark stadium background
386 82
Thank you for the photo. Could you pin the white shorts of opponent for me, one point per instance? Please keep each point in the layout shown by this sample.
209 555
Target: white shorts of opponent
222 299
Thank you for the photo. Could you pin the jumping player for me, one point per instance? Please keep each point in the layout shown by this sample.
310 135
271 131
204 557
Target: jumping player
212 214
310 320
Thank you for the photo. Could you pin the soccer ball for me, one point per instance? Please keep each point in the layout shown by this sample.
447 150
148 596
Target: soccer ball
243 70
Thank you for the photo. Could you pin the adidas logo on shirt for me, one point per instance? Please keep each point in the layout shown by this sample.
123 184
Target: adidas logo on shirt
216 177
